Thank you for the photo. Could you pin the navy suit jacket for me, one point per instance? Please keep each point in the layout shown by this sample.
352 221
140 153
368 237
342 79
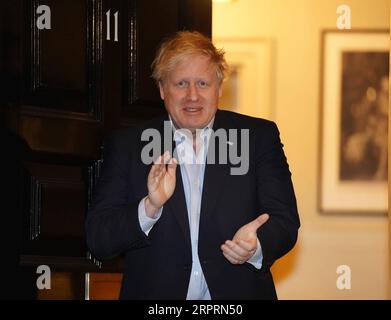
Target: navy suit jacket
158 266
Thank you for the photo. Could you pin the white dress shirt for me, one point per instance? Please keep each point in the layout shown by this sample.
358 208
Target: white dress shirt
192 166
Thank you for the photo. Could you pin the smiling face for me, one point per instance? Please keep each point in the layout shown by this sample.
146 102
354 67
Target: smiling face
191 92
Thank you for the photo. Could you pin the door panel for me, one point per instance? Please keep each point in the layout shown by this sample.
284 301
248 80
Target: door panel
62 63
56 206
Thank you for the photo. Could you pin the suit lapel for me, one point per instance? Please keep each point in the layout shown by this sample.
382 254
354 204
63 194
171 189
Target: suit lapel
178 206
214 178
177 202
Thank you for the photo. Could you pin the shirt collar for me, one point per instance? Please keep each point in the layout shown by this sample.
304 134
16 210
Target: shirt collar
183 133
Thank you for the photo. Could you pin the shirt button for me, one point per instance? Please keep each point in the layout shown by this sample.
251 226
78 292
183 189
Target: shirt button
196 273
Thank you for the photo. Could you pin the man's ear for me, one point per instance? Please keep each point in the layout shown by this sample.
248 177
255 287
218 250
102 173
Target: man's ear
220 89
161 90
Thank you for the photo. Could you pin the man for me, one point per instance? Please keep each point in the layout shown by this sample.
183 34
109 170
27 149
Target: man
193 229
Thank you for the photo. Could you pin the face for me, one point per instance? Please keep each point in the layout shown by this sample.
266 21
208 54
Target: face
191 92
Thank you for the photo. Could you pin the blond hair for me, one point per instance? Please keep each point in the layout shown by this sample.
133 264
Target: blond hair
182 45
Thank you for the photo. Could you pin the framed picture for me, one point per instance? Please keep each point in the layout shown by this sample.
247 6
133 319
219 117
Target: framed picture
248 88
354 122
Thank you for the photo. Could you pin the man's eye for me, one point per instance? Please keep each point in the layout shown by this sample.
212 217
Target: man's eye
202 84
181 84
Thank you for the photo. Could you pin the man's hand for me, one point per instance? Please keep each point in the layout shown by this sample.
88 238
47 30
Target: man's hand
161 183
244 243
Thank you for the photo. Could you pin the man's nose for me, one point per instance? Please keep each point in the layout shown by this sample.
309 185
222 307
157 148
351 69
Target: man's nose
192 92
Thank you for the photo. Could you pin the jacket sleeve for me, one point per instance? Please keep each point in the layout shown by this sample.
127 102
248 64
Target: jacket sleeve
275 196
112 225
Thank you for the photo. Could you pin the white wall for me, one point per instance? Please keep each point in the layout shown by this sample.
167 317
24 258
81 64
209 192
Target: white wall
325 242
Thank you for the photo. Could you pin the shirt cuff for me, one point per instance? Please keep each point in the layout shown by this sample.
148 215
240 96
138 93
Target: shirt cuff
256 259
146 223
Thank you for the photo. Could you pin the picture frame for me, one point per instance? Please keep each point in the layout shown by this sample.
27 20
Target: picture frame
354 122
248 88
